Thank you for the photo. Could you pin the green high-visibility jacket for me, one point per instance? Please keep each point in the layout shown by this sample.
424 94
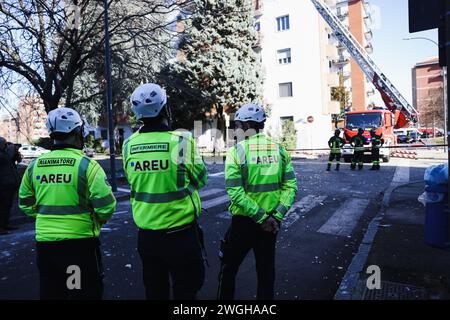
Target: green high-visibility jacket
335 144
165 171
358 143
377 141
260 179
68 195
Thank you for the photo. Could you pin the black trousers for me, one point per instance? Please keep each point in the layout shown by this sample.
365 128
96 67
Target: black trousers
175 256
358 158
6 201
242 236
333 156
376 155
55 260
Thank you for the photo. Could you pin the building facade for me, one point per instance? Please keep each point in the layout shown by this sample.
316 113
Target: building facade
355 14
428 92
25 124
302 61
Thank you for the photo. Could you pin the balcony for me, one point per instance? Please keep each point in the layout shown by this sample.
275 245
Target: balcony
368 35
330 3
368 21
258 7
342 61
369 48
258 43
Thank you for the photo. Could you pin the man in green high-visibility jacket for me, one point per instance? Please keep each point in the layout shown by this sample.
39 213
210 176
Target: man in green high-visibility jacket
70 198
165 171
377 143
262 186
335 143
357 142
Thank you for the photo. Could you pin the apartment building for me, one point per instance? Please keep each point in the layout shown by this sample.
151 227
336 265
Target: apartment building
355 14
427 80
302 61
25 124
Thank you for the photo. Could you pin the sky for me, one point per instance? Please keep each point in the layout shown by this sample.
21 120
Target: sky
394 56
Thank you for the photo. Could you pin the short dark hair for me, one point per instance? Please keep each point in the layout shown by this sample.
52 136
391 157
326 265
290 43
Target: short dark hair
61 136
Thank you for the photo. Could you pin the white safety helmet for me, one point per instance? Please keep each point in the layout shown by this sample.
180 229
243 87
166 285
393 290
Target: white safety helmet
250 112
148 100
64 120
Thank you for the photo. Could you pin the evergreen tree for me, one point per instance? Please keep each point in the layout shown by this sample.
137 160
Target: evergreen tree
217 67
289 135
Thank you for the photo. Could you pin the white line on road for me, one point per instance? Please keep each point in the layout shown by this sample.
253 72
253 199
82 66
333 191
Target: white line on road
401 175
300 208
345 218
217 174
215 202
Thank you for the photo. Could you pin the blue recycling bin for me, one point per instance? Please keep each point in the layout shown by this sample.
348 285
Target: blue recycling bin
437 216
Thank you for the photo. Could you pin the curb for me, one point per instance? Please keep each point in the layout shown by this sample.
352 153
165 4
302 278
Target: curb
348 289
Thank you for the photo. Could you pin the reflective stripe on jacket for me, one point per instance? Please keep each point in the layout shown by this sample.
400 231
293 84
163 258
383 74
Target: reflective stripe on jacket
165 171
68 195
259 179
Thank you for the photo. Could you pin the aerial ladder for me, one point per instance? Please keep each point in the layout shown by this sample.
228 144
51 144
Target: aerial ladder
391 96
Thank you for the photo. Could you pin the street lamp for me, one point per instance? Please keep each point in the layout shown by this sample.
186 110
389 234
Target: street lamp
109 110
444 76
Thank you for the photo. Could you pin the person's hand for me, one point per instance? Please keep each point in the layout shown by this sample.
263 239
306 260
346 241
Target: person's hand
271 225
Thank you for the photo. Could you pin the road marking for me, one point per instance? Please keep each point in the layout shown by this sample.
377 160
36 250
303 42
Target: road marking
208 192
300 208
215 202
345 218
217 174
401 175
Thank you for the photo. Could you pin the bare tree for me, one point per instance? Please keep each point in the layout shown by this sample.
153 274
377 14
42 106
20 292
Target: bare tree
432 110
49 43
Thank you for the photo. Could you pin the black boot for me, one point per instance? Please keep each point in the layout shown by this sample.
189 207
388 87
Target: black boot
353 166
360 166
329 167
337 166
374 167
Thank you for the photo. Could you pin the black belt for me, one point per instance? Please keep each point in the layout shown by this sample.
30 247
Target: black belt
171 230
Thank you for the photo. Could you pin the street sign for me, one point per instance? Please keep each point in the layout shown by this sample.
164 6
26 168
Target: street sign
310 119
425 15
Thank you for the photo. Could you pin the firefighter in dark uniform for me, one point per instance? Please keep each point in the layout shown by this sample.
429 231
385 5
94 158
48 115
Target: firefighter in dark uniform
335 143
377 143
357 142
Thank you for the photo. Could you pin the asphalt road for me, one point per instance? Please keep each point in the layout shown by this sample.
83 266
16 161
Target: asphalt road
318 240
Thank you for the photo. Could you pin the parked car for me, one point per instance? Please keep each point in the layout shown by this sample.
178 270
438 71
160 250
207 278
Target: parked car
402 138
89 152
29 151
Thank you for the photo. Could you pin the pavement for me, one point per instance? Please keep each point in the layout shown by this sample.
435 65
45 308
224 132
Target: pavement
340 223
409 268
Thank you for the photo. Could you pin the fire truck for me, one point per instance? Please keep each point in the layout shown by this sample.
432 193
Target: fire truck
397 112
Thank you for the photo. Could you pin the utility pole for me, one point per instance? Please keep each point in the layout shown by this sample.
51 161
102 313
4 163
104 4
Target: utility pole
112 152
447 53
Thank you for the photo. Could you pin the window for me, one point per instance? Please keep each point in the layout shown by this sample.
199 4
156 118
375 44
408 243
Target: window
284 56
285 89
284 120
283 23
258 26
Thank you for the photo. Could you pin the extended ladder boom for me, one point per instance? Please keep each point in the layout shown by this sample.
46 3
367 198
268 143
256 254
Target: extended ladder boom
391 96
